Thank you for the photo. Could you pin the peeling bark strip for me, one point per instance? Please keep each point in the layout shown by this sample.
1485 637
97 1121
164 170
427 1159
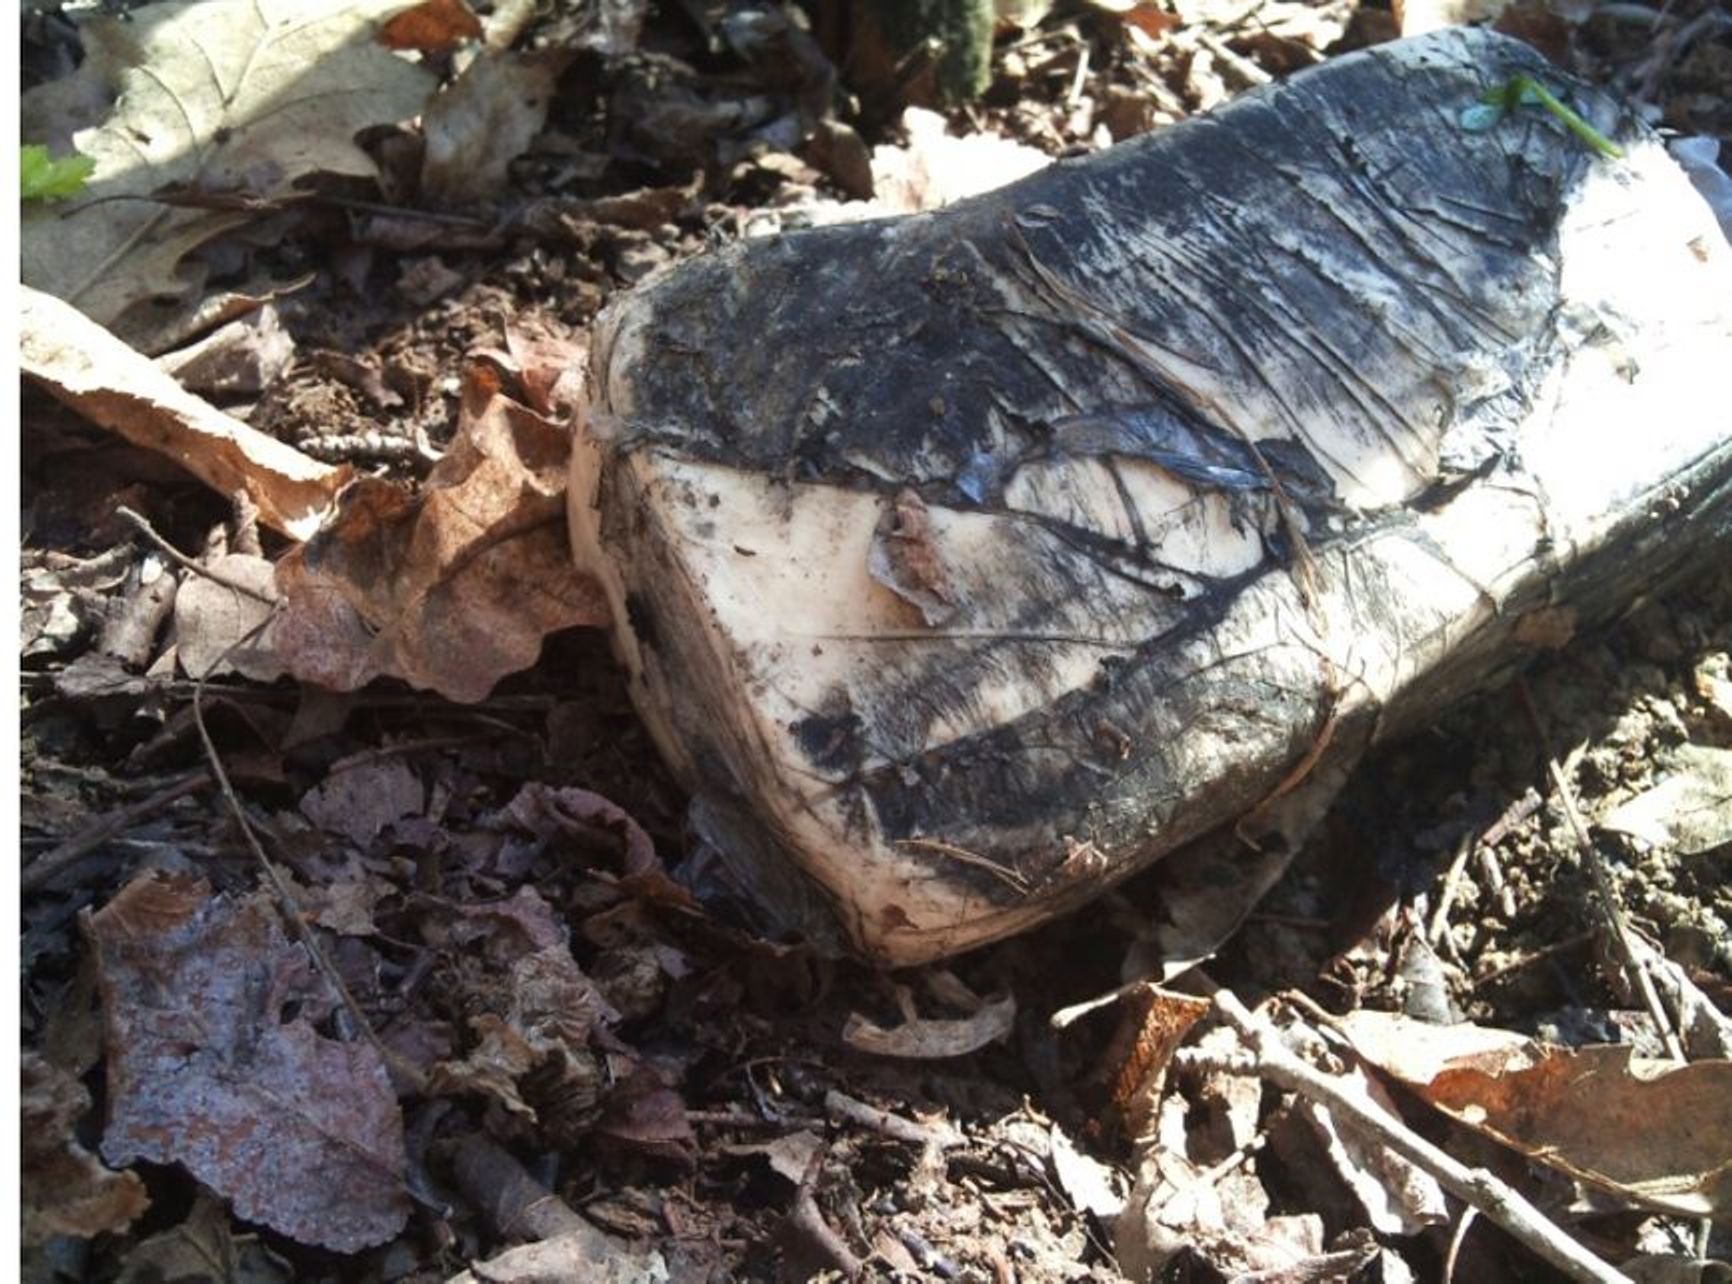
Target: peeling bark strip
1091 514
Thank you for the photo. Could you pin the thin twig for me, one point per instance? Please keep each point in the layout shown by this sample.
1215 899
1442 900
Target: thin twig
1634 972
889 1125
1474 1186
57 859
1009 877
1528 960
1456 1239
149 532
809 1220
406 212
1451 881
1495 883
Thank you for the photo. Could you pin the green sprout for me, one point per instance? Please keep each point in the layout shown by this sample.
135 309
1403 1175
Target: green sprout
42 177
1518 90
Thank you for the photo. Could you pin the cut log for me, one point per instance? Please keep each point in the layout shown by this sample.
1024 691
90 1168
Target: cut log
966 563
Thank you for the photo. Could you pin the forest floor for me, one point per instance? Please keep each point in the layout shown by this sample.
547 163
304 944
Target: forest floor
602 1058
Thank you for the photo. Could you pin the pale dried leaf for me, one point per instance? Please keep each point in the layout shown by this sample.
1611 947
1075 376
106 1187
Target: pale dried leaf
66 1190
1656 1134
213 1063
1688 811
241 358
1090 1185
482 122
592 1257
932 1038
238 98
789 1156
113 386
935 168
210 619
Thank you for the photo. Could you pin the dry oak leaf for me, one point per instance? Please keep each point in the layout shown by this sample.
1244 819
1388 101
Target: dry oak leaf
452 589
234 100
214 1064
1654 1133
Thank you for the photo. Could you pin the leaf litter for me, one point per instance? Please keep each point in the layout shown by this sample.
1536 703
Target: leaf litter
691 1079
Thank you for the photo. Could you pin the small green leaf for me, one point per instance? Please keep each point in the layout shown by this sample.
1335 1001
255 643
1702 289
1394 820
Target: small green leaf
42 177
1523 90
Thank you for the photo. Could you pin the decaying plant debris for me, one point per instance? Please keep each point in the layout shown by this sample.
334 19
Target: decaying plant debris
305 964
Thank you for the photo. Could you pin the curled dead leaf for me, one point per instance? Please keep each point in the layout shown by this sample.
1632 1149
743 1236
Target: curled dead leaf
929 1039
452 589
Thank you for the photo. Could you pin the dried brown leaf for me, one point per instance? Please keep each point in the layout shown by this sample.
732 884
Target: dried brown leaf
359 800
545 364
66 1190
1657 1134
433 26
536 1011
493 1067
546 810
214 1064
453 589
1143 1047
112 385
